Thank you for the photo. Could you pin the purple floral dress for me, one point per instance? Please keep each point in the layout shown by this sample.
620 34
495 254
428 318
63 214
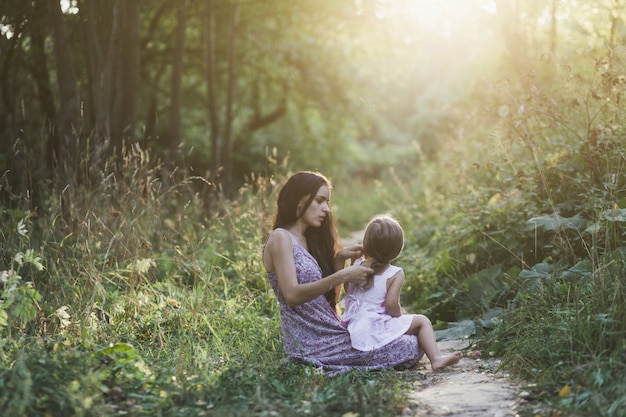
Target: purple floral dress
313 333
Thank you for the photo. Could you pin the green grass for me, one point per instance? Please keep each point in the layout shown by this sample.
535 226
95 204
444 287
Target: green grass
167 351
146 302
159 309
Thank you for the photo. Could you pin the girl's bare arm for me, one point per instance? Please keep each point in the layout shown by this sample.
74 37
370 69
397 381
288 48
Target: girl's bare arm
392 300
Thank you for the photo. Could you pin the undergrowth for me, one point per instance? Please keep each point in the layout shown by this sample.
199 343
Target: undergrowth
149 297
146 303
535 223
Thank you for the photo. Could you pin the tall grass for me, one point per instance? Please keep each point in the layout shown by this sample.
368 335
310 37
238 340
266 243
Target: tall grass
529 215
147 303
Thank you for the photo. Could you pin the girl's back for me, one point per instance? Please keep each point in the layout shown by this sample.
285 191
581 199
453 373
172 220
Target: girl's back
365 316
377 292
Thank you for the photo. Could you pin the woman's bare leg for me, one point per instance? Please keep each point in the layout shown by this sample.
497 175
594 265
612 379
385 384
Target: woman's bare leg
423 328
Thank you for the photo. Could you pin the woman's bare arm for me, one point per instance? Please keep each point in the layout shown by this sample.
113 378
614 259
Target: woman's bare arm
278 257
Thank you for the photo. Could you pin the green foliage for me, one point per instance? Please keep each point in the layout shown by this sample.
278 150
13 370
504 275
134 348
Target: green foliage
19 298
565 325
300 390
54 378
530 219
147 295
152 306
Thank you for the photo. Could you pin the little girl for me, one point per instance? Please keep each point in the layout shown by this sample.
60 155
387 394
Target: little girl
372 313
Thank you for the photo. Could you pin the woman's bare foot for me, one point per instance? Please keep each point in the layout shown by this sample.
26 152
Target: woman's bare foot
443 361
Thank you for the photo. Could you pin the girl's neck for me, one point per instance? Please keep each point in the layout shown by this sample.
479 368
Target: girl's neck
382 265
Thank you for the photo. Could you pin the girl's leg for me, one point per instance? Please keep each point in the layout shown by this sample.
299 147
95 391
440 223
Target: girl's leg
423 328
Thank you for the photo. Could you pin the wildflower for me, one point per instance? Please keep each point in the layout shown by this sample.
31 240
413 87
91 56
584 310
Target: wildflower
21 228
64 316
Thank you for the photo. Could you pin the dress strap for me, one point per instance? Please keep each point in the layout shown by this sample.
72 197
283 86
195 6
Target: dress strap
390 272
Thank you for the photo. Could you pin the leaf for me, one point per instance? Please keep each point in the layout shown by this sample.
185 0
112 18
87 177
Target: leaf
63 316
599 378
540 270
4 319
143 265
565 391
584 268
594 228
126 351
21 228
554 222
615 215
31 257
481 288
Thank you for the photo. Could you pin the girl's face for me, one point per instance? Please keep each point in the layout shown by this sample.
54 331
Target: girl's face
318 209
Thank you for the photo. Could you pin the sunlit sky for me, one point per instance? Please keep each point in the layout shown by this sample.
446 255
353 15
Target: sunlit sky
442 18
69 6
445 14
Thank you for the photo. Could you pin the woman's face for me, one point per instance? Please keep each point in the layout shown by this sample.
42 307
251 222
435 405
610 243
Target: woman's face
318 209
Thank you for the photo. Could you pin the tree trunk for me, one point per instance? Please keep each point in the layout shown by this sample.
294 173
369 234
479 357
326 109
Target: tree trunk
175 130
553 29
41 77
99 68
211 80
230 93
615 22
67 147
129 68
9 118
115 64
508 12
7 90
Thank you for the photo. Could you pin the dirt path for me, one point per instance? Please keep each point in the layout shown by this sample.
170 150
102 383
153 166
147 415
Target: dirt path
473 387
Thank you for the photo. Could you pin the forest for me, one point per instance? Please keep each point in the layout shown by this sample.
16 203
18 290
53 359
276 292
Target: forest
143 144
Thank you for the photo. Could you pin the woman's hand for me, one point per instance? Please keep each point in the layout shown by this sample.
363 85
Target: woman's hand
356 274
353 253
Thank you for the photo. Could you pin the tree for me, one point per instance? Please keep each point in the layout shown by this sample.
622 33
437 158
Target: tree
66 144
175 129
512 31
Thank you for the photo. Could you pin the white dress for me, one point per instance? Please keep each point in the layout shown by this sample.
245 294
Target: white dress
365 316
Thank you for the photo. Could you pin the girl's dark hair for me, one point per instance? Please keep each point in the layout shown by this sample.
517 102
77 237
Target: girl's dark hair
322 241
382 243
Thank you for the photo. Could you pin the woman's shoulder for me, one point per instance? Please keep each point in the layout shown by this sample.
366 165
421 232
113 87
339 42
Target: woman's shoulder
279 236
277 246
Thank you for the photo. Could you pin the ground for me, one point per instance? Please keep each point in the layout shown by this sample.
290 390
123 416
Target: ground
476 386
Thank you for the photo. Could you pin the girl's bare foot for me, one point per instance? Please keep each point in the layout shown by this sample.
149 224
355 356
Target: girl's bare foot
443 361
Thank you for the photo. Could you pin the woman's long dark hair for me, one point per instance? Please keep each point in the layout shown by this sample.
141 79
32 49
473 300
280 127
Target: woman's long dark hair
322 241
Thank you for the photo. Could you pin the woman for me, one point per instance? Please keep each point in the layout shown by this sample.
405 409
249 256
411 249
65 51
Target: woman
306 272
